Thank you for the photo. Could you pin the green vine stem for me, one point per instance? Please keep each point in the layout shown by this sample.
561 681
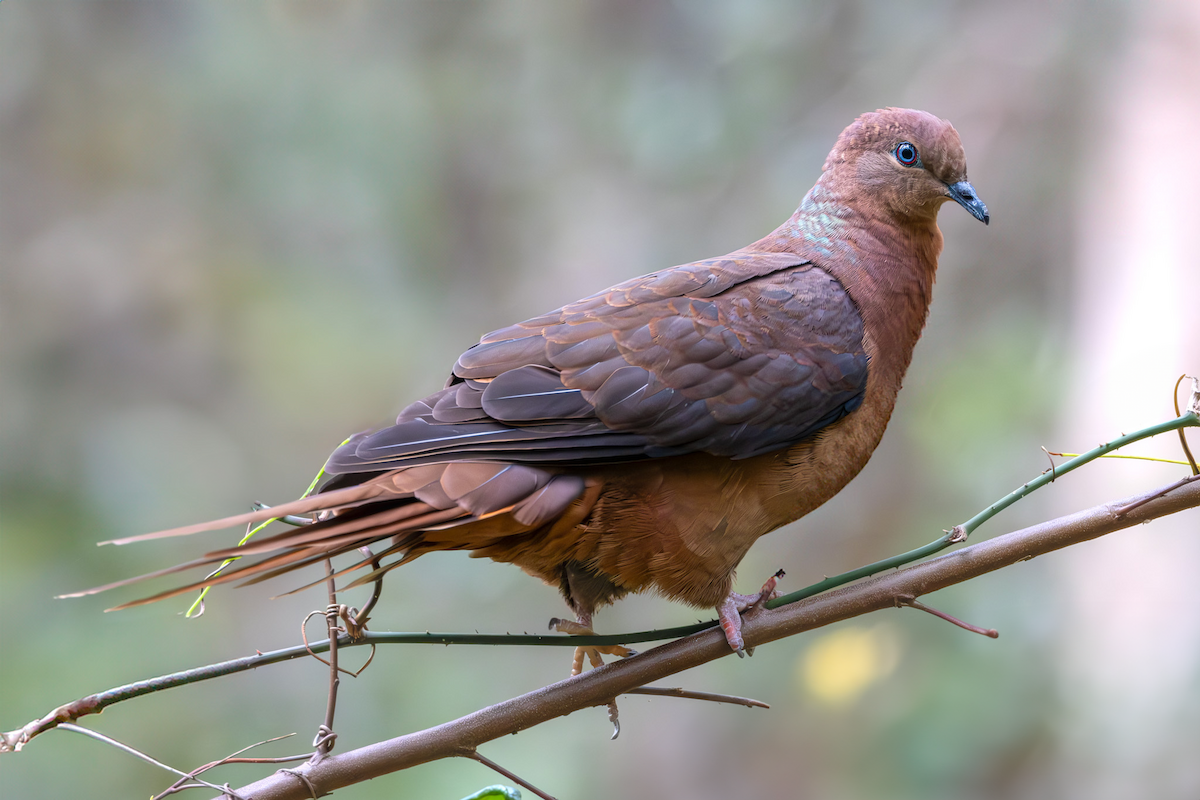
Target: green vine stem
959 533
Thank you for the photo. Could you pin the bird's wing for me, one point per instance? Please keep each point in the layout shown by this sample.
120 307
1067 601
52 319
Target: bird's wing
734 356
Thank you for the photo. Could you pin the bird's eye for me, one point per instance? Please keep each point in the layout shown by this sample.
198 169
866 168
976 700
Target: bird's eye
907 154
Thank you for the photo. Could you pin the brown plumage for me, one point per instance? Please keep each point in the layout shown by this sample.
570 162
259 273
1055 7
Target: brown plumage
643 438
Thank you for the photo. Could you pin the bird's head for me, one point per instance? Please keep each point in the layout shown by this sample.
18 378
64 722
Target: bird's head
904 162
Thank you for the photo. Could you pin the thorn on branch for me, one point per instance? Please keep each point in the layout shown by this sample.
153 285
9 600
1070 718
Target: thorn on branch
912 602
1052 467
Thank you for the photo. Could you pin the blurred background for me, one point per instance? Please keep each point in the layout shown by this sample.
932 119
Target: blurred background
232 234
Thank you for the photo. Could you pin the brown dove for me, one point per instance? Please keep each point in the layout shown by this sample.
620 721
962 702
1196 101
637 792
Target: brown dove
641 439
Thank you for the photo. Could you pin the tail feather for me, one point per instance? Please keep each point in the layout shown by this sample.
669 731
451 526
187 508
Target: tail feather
378 573
321 532
330 545
365 562
326 501
480 507
225 577
341 545
158 573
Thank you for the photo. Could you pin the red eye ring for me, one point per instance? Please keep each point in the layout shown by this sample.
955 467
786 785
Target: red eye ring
906 153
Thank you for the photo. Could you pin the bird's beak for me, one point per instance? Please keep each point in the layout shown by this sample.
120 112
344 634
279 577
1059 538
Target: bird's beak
963 193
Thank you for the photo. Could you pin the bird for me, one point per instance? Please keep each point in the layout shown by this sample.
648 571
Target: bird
641 439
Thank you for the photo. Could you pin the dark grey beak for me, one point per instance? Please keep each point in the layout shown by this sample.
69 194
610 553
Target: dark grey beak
963 193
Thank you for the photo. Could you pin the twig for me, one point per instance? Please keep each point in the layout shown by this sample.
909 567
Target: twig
95 703
912 602
133 751
1124 509
360 618
294 520
664 691
595 687
326 737
1193 407
232 758
487 762
304 780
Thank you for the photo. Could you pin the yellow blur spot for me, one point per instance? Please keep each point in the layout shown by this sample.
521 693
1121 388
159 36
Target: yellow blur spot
841 665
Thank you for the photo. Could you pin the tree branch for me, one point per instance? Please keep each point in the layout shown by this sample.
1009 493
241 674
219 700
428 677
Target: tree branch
460 737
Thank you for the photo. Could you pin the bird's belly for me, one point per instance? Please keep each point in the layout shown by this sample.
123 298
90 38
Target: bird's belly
677 527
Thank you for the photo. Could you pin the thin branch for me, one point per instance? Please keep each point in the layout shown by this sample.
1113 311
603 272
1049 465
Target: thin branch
1193 407
1146 498
666 691
360 619
232 758
596 687
512 776
326 737
95 703
133 751
913 602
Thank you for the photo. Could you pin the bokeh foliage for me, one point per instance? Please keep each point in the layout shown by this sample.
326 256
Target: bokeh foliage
231 234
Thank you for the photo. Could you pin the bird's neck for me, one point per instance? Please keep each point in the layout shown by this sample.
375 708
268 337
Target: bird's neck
886 264
887 267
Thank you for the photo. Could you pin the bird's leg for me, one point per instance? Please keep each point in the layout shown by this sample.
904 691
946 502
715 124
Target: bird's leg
583 627
731 608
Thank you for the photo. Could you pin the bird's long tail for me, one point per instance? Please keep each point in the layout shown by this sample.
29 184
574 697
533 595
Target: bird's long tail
463 505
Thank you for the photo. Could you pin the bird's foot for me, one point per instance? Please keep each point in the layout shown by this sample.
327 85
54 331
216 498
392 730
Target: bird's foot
732 607
593 652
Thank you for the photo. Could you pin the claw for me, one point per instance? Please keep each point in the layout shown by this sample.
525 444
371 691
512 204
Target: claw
593 652
731 608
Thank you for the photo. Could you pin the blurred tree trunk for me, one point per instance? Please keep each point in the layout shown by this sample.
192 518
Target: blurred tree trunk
1129 672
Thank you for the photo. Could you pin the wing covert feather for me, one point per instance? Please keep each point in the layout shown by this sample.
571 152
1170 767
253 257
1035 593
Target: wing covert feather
735 357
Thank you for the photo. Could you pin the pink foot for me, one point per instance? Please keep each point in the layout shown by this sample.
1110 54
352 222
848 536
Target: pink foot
730 609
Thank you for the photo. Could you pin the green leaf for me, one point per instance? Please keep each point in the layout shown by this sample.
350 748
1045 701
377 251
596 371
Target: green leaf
507 792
